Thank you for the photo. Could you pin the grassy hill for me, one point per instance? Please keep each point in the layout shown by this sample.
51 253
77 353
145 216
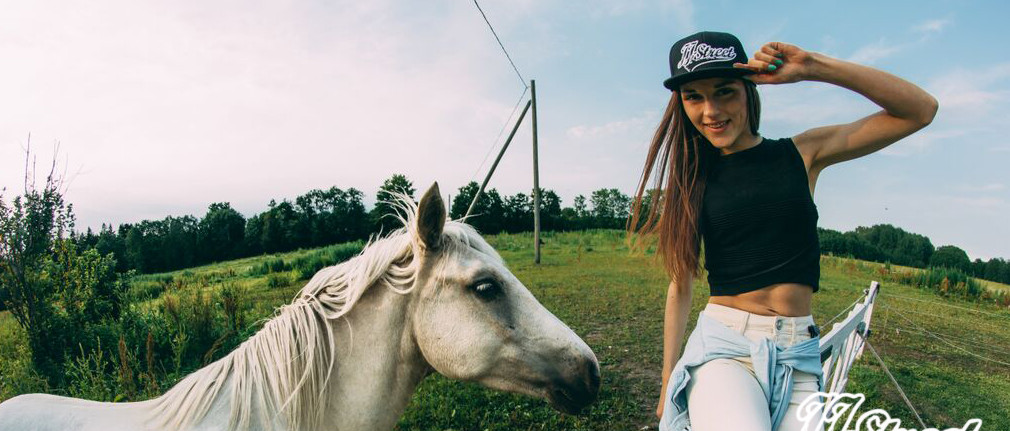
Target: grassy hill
951 357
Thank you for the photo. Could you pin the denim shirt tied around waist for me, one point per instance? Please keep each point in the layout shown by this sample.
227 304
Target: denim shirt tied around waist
773 367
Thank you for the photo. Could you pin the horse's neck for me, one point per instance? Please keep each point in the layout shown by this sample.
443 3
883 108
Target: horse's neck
376 366
380 363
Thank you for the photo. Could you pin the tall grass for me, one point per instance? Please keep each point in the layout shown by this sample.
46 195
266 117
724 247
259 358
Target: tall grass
947 282
613 299
173 324
304 267
17 376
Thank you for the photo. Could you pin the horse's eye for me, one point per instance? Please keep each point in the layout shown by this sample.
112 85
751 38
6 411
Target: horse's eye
486 289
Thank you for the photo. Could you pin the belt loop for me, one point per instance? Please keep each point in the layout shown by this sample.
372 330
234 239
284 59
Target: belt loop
746 321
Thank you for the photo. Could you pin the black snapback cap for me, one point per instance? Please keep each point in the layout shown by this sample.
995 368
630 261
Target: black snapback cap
706 54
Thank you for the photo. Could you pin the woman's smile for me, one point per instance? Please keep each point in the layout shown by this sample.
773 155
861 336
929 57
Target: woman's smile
717 127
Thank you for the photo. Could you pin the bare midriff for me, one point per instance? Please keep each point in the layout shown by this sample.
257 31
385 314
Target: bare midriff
782 299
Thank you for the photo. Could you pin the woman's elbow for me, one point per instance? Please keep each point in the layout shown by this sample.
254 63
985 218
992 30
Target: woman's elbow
929 108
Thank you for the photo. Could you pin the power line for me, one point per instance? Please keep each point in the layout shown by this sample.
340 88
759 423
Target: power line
944 305
865 342
853 304
968 343
501 45
500 132
893 380
941 339
987 324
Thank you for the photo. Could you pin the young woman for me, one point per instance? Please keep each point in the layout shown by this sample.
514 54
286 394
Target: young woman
753 356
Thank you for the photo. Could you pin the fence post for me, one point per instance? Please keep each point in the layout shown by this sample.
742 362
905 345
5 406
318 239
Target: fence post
536 178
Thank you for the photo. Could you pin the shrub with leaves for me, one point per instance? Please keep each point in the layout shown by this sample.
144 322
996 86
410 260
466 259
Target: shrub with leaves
53 290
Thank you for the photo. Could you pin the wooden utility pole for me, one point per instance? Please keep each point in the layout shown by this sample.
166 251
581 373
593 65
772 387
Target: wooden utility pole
536 177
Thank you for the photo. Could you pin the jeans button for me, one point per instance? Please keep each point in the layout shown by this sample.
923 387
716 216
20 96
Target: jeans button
778 324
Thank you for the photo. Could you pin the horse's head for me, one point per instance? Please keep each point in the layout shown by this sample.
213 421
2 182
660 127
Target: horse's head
475 321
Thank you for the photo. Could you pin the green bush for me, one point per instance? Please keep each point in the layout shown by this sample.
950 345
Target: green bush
60 299
17 376
280 279
307 266
946 282
89 376
342 252
269 266
146 349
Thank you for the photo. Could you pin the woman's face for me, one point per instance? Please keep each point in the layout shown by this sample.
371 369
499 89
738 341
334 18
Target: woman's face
717 107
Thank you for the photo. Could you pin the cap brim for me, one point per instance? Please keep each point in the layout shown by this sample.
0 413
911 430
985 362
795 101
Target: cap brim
730 72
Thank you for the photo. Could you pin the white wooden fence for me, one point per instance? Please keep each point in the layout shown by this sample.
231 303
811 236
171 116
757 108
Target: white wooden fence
843 344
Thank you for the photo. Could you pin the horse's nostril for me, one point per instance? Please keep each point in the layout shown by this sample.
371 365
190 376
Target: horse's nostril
594 376
568 402
560 394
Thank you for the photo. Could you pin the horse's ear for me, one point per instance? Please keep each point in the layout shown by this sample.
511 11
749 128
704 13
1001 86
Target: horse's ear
431 218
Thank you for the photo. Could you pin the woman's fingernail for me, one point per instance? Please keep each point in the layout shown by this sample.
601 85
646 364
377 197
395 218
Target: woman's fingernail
778 54
778 62
772 67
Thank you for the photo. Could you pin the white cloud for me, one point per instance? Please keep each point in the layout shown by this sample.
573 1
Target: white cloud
972 93
931 26
980 188
171 106
882 49
870 54
800 106
646 120
683 11
921 142
614 8
988 204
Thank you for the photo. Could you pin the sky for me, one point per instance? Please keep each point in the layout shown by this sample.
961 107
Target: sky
162 108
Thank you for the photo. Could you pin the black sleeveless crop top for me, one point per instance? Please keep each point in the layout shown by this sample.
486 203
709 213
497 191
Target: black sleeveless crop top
758 220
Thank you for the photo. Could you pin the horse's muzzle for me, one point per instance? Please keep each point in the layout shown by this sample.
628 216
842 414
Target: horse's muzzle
573 396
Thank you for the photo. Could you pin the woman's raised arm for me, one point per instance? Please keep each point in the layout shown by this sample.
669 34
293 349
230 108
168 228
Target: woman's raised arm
906 107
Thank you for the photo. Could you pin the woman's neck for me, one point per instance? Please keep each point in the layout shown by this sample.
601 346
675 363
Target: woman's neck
743 142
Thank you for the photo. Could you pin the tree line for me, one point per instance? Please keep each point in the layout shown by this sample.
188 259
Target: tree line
322 217
334 215
888 244
67 289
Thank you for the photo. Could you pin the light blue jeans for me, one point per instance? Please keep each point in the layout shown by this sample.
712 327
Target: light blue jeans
723 394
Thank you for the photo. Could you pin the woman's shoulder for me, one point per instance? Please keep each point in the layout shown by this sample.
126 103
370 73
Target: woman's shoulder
786 144
775 147
780 141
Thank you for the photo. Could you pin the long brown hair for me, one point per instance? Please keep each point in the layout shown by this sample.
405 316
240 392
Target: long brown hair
678 161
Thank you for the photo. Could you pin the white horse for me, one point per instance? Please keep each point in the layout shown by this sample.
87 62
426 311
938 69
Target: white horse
348 353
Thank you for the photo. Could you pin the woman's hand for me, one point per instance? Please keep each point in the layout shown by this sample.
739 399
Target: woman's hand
778 63
662 403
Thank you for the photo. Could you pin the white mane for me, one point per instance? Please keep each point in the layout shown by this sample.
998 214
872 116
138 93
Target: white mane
286 366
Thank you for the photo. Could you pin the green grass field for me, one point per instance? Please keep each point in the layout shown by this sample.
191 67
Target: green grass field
994 285
951 357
